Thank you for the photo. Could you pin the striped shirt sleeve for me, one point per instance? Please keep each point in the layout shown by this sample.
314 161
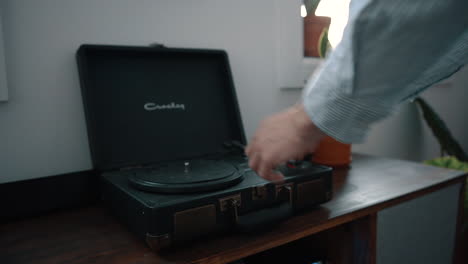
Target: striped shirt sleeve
390 52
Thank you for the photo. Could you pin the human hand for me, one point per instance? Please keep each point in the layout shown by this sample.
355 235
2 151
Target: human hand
288 135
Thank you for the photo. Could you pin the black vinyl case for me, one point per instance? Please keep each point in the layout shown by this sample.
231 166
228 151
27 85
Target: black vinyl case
155 105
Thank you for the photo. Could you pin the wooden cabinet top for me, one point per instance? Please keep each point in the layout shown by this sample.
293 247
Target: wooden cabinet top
92 235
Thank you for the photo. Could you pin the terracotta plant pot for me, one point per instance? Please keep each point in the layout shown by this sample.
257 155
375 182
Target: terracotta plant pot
332 153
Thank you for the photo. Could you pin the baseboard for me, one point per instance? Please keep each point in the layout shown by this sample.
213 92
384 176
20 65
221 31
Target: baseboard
38 196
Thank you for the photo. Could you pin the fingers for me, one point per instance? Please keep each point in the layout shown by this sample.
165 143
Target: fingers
254 162
262 166
265 168
275 177
264 162
248 150
278 138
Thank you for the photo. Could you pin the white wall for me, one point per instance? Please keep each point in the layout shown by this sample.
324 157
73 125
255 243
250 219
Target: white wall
42 127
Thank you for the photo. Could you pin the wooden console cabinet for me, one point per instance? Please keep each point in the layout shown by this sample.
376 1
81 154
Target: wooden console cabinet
383 211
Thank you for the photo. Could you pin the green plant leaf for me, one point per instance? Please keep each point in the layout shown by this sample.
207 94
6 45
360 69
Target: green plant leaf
449 162
323 43
311 6
446 141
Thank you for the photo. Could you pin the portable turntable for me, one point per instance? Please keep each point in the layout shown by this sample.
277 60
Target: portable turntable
166 135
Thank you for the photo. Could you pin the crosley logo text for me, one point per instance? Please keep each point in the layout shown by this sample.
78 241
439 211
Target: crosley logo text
153 107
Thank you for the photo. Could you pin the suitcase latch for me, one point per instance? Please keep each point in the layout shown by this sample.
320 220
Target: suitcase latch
230 205
284 192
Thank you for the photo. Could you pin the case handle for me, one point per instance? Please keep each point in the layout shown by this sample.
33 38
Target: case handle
265 218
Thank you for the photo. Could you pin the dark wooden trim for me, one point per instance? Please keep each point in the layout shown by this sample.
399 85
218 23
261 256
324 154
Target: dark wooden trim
459 252
37 196
364 241
373 239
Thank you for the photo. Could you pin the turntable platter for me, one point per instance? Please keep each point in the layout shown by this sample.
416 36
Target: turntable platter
182 177
190 172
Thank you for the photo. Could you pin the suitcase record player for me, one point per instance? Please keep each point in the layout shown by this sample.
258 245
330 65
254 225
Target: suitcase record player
166 136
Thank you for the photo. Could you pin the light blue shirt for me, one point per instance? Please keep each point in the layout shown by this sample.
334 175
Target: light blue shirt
391 50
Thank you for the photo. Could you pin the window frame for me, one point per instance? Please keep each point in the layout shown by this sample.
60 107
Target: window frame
3 75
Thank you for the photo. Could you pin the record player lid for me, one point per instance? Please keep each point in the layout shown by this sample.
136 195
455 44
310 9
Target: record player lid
145 105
